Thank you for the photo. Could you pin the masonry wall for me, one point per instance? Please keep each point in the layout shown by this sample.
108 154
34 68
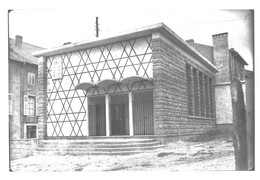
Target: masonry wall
224 109
221 57
170 92
22 148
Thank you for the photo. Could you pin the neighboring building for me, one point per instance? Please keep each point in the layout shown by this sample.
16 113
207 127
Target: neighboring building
230 64
23 89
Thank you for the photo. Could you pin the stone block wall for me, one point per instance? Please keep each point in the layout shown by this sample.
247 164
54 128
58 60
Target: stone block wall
42 94
171 95
221 57
22 148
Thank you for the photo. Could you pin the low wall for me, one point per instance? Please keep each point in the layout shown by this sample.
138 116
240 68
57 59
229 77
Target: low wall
22 148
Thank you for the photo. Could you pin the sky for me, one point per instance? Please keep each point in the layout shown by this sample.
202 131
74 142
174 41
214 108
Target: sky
50 28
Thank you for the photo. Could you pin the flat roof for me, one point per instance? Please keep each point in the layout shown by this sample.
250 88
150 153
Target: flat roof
136 33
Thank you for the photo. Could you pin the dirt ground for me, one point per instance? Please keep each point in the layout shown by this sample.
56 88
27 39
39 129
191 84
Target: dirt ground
216 154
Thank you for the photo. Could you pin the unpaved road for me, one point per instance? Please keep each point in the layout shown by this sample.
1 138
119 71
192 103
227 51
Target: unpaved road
212 155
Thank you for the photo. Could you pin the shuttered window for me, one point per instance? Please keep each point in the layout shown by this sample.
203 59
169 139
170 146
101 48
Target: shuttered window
10 97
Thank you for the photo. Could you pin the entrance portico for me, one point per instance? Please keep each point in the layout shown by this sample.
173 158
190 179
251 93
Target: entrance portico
112 114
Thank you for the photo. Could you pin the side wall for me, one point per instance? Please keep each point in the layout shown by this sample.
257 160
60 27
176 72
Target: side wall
170 92
14 88
18 86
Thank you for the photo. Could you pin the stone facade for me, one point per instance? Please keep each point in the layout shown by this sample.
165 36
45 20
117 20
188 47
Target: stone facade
42 93
171 95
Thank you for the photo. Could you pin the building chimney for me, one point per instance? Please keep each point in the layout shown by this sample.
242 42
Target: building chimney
18 40
221 57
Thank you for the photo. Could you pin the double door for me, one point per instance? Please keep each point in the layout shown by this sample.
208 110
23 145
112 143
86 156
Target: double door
143 117
97 121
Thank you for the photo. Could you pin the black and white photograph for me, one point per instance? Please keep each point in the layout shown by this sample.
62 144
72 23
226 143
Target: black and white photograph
130 87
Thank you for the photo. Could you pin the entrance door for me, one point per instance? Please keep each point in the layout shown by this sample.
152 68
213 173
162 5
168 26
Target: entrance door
143 117
97 120
118 119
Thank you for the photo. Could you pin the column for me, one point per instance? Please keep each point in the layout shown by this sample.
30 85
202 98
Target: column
107 99
131 120
87 116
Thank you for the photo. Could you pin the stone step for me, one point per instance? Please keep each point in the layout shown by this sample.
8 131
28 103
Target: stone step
105 146
99 145
98 141
108 149
80 151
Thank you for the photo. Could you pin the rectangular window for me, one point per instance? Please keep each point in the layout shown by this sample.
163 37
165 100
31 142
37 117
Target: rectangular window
30 132
188 77
31 105
196 92
10 97
31 78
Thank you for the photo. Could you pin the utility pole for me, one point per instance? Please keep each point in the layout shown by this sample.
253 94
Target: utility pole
97 29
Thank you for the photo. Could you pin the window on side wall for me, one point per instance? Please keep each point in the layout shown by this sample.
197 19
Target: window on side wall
31 78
